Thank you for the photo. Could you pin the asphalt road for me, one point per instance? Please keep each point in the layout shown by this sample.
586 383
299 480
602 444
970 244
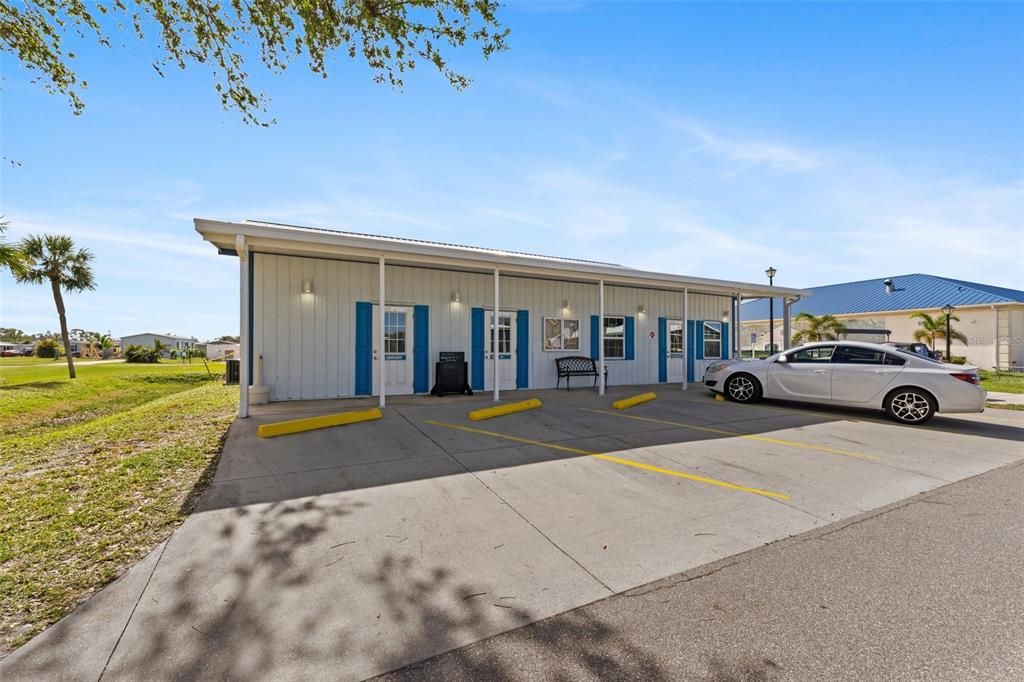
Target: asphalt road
929 588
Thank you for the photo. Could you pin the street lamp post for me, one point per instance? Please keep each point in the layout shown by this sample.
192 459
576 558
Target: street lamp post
771 310
948 310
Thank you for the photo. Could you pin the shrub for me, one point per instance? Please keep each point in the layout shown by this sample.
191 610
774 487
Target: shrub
47 348
958 359
141 354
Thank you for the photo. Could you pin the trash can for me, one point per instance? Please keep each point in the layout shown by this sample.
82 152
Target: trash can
233 372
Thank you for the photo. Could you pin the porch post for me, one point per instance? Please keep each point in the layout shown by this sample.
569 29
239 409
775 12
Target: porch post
787 331
381 351
600 337
737 303
245 343
686 336
494 340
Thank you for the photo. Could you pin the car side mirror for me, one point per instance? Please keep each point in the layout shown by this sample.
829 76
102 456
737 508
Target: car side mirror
781 358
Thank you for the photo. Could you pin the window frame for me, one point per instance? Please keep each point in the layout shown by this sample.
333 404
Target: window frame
841 349
790 355
605 338
563 324
705 325
682 337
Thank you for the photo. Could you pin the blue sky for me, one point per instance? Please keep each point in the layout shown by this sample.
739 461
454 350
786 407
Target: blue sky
833 141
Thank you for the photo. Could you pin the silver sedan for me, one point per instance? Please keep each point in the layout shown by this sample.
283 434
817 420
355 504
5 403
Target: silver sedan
909 387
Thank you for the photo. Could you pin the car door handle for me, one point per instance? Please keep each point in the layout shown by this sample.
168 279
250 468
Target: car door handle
884 371
820 371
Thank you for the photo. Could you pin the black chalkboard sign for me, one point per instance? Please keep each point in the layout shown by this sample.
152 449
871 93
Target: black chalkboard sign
451 374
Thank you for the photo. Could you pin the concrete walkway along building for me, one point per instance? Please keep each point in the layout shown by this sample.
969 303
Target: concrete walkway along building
329 314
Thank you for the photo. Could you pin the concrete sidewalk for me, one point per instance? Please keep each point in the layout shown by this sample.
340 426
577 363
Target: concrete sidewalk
1000 398
344 553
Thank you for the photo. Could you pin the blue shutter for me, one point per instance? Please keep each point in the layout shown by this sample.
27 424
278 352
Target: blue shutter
662 349
691 348
630 338
364 348
595 337
726 341
476 358
698 328
421 349
523 349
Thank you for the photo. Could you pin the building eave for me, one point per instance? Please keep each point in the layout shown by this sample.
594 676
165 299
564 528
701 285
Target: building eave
297 241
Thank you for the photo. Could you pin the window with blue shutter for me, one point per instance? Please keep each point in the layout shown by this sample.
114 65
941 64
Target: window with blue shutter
476 358
364 348
662 349
421 349
523 349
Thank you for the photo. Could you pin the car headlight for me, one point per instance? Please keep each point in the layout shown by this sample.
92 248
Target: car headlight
717 367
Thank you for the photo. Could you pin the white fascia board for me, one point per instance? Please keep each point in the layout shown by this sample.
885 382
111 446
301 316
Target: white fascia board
298 241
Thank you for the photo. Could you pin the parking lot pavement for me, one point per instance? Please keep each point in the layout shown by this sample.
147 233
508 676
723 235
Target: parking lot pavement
926 589
348 552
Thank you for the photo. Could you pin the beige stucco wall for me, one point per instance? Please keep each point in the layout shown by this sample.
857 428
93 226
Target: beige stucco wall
983 326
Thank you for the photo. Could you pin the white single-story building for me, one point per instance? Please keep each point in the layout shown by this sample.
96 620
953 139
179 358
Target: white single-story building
879 310
312 302
219 350
172 341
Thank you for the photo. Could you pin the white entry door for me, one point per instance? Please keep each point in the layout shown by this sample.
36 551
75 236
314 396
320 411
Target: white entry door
506 355
396 351
676 358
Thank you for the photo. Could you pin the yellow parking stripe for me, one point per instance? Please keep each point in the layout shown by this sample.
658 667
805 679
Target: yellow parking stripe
763 439
616 460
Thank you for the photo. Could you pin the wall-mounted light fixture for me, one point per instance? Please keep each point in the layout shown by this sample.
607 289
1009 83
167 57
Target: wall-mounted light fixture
725 316
642 309
456 297
567 304
307 286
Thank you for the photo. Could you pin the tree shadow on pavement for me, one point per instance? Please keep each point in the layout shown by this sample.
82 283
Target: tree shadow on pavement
436 613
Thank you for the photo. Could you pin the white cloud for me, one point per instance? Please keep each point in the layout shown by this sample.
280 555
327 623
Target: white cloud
747 151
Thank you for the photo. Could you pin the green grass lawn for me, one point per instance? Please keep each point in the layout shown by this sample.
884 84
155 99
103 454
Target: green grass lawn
1002 383
33 360
94 473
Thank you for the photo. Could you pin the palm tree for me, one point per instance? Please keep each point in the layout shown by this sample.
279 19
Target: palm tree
10 256
54 259
106 343
159 346
824 328
932 329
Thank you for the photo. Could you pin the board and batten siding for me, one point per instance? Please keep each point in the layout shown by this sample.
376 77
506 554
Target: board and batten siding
308 341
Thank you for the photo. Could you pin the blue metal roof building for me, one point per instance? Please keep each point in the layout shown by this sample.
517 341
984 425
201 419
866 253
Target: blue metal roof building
902 292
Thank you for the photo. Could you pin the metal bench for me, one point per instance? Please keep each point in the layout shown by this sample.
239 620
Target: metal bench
577 366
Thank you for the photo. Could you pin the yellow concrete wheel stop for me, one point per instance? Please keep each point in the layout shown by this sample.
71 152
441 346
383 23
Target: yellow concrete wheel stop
633 400
719 396
499 410
311 423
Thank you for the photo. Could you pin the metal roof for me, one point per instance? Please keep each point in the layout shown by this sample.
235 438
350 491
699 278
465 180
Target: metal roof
461 247
297 240
910 292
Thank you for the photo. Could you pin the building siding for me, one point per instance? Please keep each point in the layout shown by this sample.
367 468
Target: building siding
308 341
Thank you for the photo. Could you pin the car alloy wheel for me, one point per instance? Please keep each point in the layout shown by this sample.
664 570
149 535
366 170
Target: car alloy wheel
741 389
910 407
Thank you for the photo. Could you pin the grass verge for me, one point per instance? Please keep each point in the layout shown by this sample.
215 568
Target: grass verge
1002 383
92 483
